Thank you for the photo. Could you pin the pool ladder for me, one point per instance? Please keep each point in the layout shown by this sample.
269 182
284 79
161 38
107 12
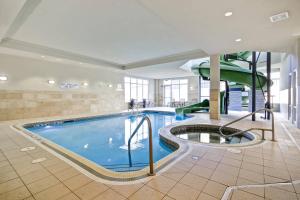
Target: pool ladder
272 129
151 164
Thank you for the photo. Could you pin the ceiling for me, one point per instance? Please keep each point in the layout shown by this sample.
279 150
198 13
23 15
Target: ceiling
142 35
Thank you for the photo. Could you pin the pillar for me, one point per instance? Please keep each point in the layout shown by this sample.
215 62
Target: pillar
214 99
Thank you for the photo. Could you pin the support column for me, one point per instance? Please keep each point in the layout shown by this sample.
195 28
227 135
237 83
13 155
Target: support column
214 99
268 83
253 84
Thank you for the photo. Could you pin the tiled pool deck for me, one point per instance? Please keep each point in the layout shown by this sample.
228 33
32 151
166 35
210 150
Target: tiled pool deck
216 170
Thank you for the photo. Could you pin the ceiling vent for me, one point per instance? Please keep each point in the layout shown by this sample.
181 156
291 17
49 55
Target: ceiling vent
279 17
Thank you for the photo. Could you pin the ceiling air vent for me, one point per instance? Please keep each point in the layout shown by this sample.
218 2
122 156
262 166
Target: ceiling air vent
279 17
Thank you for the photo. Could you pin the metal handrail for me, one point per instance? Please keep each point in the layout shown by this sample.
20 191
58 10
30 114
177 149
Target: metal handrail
151 163
272 129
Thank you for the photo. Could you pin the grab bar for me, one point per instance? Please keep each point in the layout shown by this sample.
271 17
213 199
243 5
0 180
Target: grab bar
262 129
151 164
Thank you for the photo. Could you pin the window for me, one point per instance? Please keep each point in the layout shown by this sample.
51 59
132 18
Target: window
136 89
175 90
205 88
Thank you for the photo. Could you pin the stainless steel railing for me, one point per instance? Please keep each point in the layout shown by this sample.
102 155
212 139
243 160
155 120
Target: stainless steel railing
151 163
272 129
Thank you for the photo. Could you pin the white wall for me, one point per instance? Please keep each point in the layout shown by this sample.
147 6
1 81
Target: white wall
27 75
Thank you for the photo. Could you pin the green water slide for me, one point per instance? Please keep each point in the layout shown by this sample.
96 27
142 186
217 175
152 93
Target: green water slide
234 74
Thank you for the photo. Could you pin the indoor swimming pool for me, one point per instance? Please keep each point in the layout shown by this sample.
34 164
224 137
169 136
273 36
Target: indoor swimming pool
103 140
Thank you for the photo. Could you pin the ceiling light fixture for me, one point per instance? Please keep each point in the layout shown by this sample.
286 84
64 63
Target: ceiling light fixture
110 85
279 17
228 14
238 40
51 82
3 78
43 56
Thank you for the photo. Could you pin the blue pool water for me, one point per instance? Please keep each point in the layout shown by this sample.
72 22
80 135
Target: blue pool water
103 140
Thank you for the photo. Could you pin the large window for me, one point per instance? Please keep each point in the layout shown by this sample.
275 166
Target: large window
205 88
175 90
136 89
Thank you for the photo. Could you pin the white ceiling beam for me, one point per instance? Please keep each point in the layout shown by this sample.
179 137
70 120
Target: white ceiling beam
167 59
22 16
47 51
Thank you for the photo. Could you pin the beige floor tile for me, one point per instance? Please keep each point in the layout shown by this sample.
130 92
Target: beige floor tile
207 163
167 198
8 176
42 184
259 191
29 198
297 188
252 167
161 184
90 190
146 193
222 168
17 194
231 162
214 189
253 160
23 170
278 173
241 195
4 163
224 178
275 193
174 175
183 192
202 171
70 196
77 181
204 196
58 167
271 179
126 190
66 174
109 195
35 176
252 176
52 193
213 157
194 181
10 185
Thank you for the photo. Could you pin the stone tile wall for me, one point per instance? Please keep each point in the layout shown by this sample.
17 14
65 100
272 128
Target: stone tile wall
30 104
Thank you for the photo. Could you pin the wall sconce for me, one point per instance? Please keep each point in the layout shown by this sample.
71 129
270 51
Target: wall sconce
3 78
85 84
51 82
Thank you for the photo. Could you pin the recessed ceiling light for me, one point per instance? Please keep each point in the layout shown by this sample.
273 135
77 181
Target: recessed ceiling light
3 78
80 63
238 40
228 14
43 56
279 17
110 85
85 84
51 82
